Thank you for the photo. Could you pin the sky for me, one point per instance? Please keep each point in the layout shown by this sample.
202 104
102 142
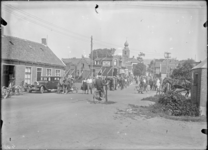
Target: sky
149 27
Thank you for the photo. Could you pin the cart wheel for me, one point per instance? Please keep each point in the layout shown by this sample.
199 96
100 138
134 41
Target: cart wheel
41 89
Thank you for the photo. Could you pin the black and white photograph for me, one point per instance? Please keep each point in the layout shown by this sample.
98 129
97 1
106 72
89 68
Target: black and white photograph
103 75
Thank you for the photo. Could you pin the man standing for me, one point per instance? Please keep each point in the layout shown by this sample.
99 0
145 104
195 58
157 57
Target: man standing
89 84
99 86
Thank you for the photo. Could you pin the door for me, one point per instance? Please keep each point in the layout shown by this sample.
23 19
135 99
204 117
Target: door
39 73
196 88
8 74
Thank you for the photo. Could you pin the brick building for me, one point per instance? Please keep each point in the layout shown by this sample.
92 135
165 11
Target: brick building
199 85
78 67
27 61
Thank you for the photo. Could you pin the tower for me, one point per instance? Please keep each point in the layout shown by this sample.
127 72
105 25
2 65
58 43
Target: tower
126 51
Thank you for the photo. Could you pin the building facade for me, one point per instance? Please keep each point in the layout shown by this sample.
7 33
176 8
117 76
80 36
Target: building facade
25 61
78 67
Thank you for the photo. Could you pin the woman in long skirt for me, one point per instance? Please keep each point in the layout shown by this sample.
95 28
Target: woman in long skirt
84 86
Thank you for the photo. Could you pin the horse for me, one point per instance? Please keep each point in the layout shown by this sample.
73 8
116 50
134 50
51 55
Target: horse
182 84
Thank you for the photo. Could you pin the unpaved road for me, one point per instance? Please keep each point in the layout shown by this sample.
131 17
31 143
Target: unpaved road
55 121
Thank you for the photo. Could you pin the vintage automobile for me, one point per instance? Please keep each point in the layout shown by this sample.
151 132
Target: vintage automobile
50 82
37 88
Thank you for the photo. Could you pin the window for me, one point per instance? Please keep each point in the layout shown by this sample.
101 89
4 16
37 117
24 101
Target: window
48 72
106 63
28 75
115 62
58 73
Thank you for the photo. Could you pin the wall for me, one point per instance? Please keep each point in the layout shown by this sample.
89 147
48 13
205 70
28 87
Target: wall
19 74
195 93
34 74
203 100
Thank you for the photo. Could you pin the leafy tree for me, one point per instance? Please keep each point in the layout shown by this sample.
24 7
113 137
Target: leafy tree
183 70
102 53
139 58
139 69
151 67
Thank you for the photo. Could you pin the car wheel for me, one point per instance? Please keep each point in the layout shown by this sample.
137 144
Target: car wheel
41 89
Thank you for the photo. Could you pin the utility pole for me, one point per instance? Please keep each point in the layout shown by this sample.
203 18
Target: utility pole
92 55
167 56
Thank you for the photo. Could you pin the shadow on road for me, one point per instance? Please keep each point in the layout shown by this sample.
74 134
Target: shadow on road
101 102
109 102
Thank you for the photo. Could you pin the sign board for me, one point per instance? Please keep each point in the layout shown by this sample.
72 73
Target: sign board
106 63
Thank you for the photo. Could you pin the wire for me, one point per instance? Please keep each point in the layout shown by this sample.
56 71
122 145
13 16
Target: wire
48 25
45 26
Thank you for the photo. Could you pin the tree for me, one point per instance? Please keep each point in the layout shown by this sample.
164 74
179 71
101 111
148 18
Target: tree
183 70
139 69
139 58
102 53
151 67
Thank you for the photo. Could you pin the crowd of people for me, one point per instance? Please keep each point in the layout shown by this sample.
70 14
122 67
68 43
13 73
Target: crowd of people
147 83
120 81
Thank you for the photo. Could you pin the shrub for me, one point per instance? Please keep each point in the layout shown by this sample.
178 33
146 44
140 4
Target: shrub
176 104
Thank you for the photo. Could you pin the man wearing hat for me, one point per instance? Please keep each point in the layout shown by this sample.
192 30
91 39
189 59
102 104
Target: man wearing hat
99 85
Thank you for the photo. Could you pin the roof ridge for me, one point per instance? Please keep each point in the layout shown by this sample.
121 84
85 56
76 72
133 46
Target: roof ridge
24 39
24 46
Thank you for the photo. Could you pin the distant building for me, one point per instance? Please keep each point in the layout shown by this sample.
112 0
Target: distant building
155 67
78 67
127 62
167 66
26 61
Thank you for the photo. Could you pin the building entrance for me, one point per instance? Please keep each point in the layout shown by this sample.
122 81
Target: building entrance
8 74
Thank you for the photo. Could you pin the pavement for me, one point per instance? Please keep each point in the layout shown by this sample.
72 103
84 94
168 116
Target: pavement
73 121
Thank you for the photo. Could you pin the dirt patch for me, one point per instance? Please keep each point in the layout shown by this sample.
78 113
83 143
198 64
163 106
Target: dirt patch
147 112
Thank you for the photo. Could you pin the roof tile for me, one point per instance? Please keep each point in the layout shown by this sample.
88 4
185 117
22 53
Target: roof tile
19 49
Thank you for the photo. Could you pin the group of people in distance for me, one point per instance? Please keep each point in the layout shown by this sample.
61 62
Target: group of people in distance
112 83
65 85
146 83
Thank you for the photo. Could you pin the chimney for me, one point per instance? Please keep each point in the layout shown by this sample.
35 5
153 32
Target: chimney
44 41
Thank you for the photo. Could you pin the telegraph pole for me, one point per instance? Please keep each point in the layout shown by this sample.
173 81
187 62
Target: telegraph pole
167 56
92 54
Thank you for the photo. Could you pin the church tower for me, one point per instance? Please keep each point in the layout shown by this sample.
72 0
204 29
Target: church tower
126 51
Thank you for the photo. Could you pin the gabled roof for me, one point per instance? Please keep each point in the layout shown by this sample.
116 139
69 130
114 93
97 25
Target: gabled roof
88 60
74 60
14 48
105 58
202 65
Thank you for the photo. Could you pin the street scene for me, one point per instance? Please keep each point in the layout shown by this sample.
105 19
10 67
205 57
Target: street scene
97 75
